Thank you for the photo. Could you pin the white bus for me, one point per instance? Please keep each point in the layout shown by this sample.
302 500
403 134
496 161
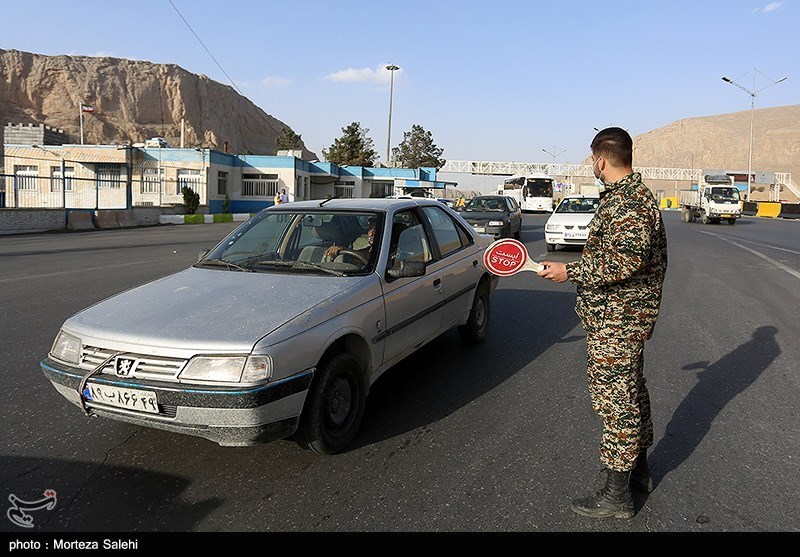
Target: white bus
533 192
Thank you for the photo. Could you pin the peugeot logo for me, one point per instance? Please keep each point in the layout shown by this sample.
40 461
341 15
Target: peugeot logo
124 367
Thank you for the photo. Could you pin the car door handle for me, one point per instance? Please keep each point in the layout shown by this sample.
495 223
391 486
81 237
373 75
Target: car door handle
437 283
475 263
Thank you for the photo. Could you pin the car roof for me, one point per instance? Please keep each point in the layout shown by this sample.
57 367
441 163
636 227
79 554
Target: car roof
357 203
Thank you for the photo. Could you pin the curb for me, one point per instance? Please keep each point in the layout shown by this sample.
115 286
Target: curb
203 219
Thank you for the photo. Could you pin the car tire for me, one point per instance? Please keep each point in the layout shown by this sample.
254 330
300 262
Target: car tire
518 234
477 325
731 221
550 247
334 406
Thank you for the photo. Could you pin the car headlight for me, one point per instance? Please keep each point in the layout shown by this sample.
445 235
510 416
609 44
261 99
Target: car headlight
227 369
66 348
495 223
552 227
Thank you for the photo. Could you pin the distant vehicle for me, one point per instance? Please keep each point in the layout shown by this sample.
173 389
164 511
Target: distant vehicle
569 223
533 192
715 198
283 327
419 193
498 215
156 142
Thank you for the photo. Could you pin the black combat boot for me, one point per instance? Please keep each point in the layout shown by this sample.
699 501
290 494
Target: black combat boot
612 501
640 475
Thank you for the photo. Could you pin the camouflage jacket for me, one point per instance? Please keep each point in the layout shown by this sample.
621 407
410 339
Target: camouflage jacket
620 274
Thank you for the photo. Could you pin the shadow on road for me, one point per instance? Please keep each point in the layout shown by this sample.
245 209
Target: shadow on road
717 385
92 497
446 374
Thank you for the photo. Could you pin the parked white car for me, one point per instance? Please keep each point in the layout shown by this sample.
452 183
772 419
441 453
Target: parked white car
569 223
282 328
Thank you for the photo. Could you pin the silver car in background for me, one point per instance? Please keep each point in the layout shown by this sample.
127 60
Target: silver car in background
281 329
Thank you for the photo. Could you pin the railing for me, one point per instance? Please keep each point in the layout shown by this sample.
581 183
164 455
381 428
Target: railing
259 187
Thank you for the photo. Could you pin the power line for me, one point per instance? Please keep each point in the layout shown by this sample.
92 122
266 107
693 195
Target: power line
206 49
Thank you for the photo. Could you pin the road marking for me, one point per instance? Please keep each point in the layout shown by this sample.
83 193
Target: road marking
757 243
778 264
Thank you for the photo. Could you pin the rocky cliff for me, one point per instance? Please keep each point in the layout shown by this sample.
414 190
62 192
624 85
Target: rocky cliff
132 100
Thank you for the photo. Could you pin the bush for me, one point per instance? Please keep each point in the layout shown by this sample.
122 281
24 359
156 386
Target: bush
191 200
226 204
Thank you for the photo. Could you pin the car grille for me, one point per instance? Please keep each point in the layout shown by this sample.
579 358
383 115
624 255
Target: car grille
148 367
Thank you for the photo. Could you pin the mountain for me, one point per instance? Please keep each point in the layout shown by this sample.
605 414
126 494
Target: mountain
132 100
722 142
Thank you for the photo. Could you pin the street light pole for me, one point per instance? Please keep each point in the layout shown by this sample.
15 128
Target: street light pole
554 155
752 94
392 68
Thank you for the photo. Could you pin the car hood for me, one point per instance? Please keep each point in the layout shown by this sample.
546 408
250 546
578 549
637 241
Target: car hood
571 219
482 215
202 310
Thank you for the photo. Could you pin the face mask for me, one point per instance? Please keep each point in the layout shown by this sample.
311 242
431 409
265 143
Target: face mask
598 179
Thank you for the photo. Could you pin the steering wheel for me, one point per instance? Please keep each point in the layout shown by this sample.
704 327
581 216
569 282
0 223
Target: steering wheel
354 254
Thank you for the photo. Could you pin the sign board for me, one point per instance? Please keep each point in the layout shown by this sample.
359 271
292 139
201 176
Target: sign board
508 257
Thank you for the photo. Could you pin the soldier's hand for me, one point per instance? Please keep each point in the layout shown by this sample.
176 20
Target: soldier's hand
555 271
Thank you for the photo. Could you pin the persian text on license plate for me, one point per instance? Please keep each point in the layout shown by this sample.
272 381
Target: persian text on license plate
576 235
130 399
479 228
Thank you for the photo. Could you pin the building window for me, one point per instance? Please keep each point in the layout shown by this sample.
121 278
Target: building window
56 178
381 189
190 178
344 189
222 183
150 183
26 176
259 184
108 176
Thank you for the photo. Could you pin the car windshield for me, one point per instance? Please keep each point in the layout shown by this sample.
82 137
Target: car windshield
725 195
578 205
330 242
485 204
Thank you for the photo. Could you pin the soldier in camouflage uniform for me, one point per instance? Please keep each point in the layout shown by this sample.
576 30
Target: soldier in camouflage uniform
619 279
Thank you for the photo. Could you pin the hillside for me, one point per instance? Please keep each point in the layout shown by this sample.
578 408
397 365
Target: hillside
132 100
722 142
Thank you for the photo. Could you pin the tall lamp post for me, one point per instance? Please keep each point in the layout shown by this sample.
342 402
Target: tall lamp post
392 68
752 94
554 154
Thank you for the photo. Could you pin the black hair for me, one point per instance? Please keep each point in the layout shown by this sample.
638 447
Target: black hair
615 144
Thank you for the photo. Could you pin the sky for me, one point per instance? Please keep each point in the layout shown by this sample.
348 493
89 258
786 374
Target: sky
524 81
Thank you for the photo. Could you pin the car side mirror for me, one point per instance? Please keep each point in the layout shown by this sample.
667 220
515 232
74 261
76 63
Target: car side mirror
202 253
407 269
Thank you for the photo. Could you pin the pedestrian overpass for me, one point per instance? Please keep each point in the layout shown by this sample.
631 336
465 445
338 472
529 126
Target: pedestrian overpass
569 170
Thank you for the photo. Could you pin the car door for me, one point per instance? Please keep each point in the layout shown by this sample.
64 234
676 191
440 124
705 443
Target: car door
413 304
457 262
514 215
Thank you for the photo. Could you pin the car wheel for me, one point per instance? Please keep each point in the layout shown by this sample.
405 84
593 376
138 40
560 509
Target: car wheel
731 221
518 233
334 407
477 326
550 247
704 218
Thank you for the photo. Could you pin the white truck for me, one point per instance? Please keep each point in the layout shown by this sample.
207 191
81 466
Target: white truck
716 198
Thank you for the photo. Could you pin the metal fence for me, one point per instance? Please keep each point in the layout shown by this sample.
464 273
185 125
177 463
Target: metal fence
26 190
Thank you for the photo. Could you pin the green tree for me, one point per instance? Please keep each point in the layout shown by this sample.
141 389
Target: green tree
288 140
354 148
191 200
418 149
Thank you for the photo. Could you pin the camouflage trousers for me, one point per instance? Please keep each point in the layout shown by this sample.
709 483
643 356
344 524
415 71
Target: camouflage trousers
619 396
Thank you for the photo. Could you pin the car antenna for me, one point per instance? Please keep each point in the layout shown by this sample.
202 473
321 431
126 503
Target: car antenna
334 197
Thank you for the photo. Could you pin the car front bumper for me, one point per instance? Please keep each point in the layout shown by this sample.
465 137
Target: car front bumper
230 416
496 231
558 238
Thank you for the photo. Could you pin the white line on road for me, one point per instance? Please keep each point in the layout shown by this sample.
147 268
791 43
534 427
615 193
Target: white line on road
778 264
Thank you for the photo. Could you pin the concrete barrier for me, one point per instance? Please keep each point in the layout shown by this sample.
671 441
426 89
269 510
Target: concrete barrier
80 220
126 219
105 219
749 208
669 203
790 211
768 209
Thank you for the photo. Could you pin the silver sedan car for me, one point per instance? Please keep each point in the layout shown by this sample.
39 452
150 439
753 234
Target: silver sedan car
281 329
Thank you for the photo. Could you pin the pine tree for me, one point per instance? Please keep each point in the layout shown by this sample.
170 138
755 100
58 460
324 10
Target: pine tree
353 148
288 140
418 149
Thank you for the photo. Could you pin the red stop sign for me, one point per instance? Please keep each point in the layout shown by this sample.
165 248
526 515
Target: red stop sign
505 257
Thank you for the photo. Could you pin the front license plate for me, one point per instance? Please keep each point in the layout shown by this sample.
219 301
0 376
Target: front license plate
479 228
576 235
725 216
130 399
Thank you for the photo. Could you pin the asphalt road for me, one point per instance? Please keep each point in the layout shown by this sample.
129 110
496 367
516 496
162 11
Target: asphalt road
493 438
